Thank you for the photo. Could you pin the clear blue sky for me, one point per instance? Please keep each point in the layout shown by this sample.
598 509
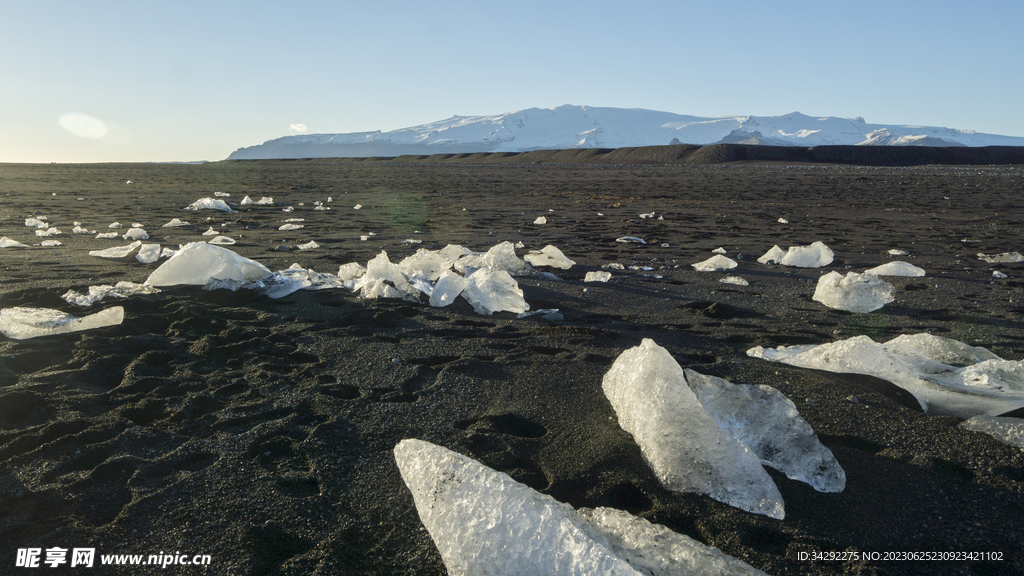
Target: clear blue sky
134 81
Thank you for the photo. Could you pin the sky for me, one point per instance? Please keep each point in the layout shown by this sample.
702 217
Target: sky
129 81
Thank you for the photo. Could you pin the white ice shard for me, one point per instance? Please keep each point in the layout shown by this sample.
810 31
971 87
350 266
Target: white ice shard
286 227
1006 430
6 242
106 235
221 194
52 231
211 232
308 245
22 323
135 234
681 443
720 250
499 257
716 263
198 262
351 271
491 291
540 220
209 204
447 288
50 243
769 424
116 251
1007 257
37 222
814 256
631 239
266 200
247 201
115 225
783 221
859 293
484 522
946 376
896 268
122 289
898 252
598 276
430 263
80 230
773 256
223 241
381 272
174 223
549 256
148 253
736 280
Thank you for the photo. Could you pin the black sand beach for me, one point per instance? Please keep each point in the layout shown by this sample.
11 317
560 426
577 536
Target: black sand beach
260 431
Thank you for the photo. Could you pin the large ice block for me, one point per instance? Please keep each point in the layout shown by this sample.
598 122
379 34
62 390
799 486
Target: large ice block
491 291
1006 430
447 289
549 256
429 263
860 293
198 262
380 270
896 268
485 523
22 323
769 424
814 256
681 443
946 376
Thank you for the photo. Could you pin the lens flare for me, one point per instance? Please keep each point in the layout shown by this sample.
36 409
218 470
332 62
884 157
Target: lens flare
83 125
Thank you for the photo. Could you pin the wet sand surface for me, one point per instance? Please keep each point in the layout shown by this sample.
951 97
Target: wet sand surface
261 431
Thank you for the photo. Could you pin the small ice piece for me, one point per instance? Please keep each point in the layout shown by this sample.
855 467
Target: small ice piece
773 256
719 250
198 262
998 274
613 266
222 241
646 216
628 239
598 276
412 241
50 243
308 245
896 268
491 291
247 201
716 263
167 252
209 204
681 443
447 288
135 234
6 242
136 225
81 230
114 225
296 219
221 194
768 423
211 232
52 231
430 263
357 206
329 199
106 235
540 220
549 256
859 293
23 323
734 280
364 237
37 222
783 221
116 251
1000 258
291 227
122 289
484 522
148 253
266 200
898 252
1006 430
946 376
814 256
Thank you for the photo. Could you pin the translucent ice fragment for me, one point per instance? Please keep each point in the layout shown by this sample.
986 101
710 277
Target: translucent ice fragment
198 262
351 271
221 194
287 227
773 256
50 243
484 522
447 288
998 274
860 293
681 443
116 251
549 256
944 375
430 263
209 204
36 223
222 241
734 280
598 276
1004 257
308 245
814 256
769 424
720 250
1006 430
898 252
357 206
106 235
6 242
247 201
135 234
491 291
540 220
114 225
896 268
380 270
716 263
783 221
148 253
628 239
499 257
266 200
23 323
122 289
211 232
80 230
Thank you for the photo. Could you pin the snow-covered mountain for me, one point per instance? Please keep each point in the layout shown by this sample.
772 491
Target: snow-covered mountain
587 127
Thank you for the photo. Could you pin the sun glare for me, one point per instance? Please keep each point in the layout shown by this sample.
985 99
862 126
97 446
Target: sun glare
83 125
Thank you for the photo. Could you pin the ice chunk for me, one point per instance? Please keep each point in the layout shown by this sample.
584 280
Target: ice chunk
222 241
484 522
998 274
211 232
287 227
116 251
430 263
613 266
499 257
380 270
6 242
266 201
720 250
247 201
448 287
198 262
1006 257
549 256
860 293
770 425
209 204
1007 430
598 276
106 235
628 239
540 220
814 256
148 253
308 245
50 243
135 234
491 291
783 221
715 264
23 323
773 256
37 222
96 293
357 206
351 271
115 225
52 231
898 252
944 375
681 443
896 268
221 194
80 230
734 280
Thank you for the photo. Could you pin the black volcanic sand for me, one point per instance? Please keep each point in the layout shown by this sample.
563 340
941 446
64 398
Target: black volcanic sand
261 431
